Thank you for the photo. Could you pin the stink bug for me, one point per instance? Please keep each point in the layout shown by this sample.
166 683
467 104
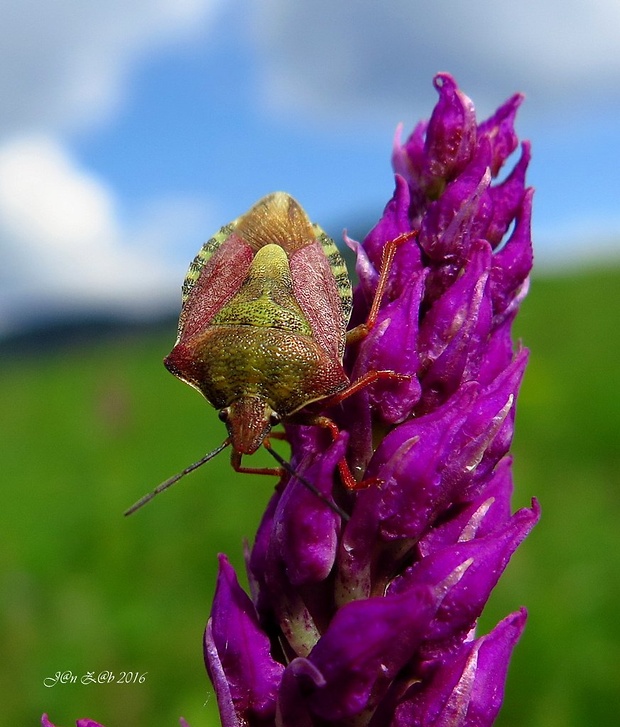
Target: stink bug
263 328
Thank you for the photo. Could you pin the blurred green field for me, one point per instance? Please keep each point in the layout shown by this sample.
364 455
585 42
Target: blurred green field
87 430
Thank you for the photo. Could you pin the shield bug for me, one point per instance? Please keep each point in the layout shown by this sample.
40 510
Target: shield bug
263 328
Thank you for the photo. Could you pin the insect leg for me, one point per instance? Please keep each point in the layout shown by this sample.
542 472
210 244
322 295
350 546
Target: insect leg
387 257
348 480
368 378
235 461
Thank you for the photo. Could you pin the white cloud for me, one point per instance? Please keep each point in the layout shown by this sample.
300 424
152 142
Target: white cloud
61 243
48 203
342 58
64 64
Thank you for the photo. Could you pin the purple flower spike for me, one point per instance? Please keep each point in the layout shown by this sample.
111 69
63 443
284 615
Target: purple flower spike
365 612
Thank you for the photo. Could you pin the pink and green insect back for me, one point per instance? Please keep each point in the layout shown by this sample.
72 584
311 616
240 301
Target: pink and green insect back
262 330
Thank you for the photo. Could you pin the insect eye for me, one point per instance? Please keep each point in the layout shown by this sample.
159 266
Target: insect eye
274 418
223 414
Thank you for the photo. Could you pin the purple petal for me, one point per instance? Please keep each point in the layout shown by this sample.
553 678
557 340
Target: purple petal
237 655
487 433
408 161
392 345
464 575
84 722
410 461
449 141
393 223
297 537
458 217
256 561
357 420
300 677
499 352
455 331
291 611
404 155
305 530
466 690
512 264
451 134
506 199
300 550
365 646
357 545
226 705
499 130
482 516
367 274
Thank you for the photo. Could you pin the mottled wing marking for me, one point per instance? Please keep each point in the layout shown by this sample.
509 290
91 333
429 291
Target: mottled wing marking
202 258
276 219
339 270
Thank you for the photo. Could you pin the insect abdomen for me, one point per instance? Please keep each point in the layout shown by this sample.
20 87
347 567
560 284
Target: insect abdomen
228 362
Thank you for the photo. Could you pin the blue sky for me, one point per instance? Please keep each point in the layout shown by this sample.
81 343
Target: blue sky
133 129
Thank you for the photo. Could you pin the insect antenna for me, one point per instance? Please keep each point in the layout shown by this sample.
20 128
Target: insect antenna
313 488
175 478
